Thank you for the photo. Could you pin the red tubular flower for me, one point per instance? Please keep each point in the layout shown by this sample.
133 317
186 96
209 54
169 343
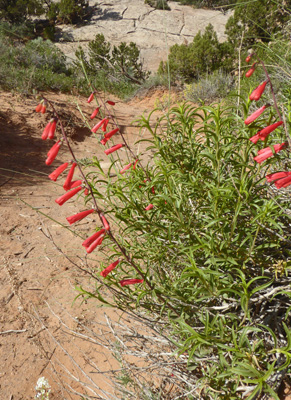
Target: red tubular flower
251 70
76 183
57 172
97 126
105 223
267 152
79 216
277 175
90 98
68 180
109 135
125 168
113 148
38 107
104 126
108 269
134 165
95 112
68 195
53 153
257 93
43 107
46 130
149 207
93 246
93 238
255 115
51 132
263 134
110 102
284 182
125 282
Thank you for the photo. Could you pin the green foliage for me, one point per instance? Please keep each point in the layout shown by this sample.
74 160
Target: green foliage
158 4
17 11
257 21
209 249
117 68
209 88
38 65
208 3
204 55
69 11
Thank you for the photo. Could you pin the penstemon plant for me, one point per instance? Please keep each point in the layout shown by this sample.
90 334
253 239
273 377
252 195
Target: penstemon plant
195 237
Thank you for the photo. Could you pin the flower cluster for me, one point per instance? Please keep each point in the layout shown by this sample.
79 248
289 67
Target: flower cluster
42 389
73 187
281 179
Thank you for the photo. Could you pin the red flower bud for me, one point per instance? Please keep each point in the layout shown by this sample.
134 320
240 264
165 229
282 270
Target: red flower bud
248 59
43 107
92 238
53 152
149 207
38 107
257 93
86 191
104 126
255 115
76 183
68 180
284 182
113 148
263 134
94 113
68 195
93 246
105 223
109 135
51 132
46 130
54 175
97 126
251 71
125 282
110 102
79 216
108 269
134 165
267 152
125 168
90 98
277 175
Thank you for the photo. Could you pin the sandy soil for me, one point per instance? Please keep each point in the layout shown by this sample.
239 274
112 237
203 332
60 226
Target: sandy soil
38 283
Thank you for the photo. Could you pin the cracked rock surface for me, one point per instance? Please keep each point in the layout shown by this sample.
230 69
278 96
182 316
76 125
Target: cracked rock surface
152 30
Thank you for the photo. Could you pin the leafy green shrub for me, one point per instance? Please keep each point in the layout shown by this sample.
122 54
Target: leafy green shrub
209 88
158 4
208 3
69 11
118 69
17 11
38 65
257 21
213 248
204 55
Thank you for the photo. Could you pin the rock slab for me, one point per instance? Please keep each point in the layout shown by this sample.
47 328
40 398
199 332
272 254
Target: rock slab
154 31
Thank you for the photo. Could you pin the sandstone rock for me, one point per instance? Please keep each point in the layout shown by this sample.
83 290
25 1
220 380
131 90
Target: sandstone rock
154 31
